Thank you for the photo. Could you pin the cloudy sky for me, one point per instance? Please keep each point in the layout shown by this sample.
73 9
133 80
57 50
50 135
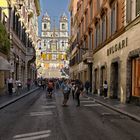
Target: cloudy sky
55 8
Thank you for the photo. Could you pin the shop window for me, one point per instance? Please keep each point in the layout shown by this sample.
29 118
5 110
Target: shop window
96 81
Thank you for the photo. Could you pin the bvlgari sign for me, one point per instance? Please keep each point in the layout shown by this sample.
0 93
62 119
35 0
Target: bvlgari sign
120 45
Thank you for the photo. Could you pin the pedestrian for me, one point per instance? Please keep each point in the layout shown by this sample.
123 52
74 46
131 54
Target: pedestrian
18 86
10 85
105 89
50 88
87 86
66 91
28 84
73 89
78 91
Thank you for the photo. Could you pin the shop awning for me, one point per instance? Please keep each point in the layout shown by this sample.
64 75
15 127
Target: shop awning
4 64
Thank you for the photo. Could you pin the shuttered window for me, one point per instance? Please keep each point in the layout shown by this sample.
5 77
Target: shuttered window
114 16
128 11
98 34
98 4
95 40
104 28
91 10
90 41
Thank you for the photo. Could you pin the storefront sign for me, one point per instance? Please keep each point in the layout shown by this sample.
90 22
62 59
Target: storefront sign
122 44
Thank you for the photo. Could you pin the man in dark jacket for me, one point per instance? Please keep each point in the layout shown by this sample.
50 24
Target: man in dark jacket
87 86
78 91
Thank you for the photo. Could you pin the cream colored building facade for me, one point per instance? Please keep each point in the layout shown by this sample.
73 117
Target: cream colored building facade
23 28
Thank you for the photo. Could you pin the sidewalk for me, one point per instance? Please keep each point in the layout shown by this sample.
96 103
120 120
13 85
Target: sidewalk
131 110
7 99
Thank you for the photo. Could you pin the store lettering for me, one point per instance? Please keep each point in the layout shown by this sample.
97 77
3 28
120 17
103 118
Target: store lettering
122 44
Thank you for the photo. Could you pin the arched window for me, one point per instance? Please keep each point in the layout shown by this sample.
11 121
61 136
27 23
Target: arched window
63 26
45 26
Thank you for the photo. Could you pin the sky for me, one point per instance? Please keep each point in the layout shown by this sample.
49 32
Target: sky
54 8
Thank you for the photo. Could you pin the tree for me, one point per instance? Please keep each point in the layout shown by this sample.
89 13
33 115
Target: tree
4 40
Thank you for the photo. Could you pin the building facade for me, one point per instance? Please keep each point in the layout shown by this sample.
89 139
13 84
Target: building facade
111 31
52 51
22 26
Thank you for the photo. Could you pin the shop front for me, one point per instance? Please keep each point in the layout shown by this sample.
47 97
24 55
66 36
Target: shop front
119 63
5 68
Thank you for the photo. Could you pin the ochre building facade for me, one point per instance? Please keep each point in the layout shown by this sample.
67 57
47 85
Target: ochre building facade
108 36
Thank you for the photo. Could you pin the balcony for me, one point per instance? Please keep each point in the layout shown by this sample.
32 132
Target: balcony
88 57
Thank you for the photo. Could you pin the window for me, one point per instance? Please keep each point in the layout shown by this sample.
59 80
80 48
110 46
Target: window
113 18
128 11
104 28
97 34
98 4
63 26
44 42
86 20
54 56
62 44
45 26
91 10
90 41
137 7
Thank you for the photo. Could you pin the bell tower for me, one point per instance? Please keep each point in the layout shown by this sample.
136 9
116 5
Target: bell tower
46 23
63 22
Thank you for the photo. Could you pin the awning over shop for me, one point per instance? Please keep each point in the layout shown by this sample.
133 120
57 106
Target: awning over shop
4 64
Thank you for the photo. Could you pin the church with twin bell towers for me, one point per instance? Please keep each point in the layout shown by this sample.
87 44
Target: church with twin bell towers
52 52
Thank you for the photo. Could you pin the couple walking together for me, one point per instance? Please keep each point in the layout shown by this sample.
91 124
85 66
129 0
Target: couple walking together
76 88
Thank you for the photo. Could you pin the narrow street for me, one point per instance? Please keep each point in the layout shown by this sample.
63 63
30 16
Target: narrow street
36 117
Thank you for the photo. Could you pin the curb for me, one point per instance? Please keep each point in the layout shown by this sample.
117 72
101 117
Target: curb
133 117
17 98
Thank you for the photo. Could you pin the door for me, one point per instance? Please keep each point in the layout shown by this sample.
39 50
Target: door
136 77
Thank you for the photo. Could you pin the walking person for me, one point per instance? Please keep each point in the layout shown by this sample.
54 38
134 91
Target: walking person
66 91
28 84
50 87
10 85
18 86
87 86
78 91
105 89
73 89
